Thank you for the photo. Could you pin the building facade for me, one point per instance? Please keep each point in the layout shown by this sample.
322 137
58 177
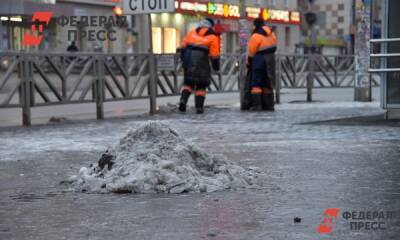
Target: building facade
334 27
288 34
168 29
16 20
283 17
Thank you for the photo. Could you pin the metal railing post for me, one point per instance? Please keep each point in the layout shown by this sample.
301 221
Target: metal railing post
99 86
64 80
335 72
25 92
152 83
176 74
296 83
220 82
126 80
278 81
310 77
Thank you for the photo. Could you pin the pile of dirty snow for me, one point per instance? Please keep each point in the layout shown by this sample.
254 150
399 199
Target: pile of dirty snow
155 158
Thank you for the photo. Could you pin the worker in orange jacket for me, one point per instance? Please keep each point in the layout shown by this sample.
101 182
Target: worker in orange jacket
199 47
261 63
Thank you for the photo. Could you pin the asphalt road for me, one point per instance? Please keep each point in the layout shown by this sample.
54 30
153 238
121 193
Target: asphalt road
312 157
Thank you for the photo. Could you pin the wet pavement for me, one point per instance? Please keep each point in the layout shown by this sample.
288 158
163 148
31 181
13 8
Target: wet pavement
313 156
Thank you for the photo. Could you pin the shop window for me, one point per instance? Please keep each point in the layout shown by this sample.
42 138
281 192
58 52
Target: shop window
287 36
165 40
157 40
178 39
17 38
171 40
228 43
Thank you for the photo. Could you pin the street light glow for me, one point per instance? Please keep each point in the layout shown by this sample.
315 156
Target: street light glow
118 11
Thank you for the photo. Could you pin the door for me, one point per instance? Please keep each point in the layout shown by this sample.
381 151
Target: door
393 31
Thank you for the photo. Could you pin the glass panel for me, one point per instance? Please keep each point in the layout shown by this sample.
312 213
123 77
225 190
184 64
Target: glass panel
287 36
178 38
393 79
17 38
170 40
157 40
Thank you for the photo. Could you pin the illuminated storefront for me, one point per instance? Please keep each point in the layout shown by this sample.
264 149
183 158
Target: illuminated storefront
14 15
274 16
16 21
169 29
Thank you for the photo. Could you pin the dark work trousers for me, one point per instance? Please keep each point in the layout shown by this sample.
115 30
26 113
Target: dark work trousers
263 70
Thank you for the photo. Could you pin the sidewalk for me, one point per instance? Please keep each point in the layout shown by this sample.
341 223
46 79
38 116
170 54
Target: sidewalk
40 115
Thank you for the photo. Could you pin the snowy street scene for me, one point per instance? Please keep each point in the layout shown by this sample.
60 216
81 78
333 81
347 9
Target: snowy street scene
199 120
301 159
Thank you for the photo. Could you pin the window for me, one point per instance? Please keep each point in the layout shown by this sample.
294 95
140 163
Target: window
165 40
272 3
287 36
286 3
157 40
170 40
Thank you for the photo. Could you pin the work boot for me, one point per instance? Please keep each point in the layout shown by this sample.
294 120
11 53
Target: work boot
199 103
256 102
268 100
184 99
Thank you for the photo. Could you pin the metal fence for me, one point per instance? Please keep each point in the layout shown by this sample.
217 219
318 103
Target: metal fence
327 71
28 80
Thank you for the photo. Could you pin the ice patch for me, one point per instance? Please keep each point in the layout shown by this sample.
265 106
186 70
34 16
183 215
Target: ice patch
322 105
155 158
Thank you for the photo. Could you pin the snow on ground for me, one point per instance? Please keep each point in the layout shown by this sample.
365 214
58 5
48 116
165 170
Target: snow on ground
226 122
322 105
156 158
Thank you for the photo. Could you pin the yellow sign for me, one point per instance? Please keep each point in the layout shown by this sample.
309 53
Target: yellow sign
232 11
272 15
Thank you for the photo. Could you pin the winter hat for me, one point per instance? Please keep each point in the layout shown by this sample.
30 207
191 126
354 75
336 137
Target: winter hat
259 22
207 23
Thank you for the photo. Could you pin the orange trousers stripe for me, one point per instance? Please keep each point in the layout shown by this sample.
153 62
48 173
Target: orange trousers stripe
256 90
201 93
187 88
